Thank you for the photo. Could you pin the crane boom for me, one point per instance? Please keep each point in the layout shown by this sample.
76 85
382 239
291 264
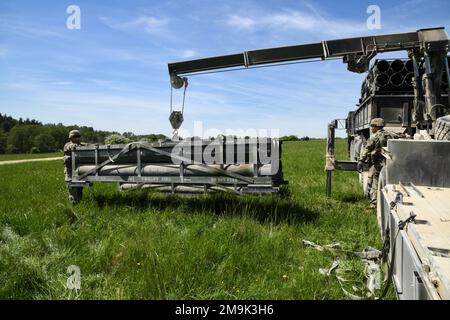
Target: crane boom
356 52
427 47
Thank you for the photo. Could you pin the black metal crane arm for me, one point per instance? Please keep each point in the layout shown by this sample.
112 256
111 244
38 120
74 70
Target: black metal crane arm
356 52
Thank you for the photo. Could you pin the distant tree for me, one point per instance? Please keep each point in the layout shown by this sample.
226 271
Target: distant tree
129 135
7 123
60 134
156 137
30 135
87 134
3 141
44 142
289 138
116 139
18 140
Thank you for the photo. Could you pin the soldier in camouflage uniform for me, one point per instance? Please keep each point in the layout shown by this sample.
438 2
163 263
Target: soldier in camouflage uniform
371 154
75 140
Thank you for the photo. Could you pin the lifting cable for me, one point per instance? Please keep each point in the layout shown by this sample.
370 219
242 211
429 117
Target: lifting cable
176 117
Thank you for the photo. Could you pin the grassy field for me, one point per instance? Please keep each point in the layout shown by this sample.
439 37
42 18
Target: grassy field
8 157
142 245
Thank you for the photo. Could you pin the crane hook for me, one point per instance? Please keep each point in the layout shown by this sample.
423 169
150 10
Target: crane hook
176 117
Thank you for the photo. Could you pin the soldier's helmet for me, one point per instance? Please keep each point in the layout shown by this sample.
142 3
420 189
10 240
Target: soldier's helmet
74 133
377 122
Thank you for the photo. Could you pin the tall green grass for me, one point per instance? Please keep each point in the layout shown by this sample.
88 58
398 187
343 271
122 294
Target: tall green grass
143 245
8 157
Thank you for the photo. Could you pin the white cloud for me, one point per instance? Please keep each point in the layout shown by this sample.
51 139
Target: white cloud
189 53
241 22
28 28
63 83
293 20
149 24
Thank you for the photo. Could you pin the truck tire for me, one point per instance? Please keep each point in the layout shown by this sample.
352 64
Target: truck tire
442 128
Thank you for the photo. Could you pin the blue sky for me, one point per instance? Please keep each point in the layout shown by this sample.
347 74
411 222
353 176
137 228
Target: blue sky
112 73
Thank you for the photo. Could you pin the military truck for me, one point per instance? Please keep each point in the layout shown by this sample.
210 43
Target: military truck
414 189
412 95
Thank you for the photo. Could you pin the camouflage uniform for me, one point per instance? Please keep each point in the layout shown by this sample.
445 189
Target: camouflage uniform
371 153
75 193
68 147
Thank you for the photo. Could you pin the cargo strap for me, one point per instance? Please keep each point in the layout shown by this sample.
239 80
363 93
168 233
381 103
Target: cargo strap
125 150
133 145
224 172
371 271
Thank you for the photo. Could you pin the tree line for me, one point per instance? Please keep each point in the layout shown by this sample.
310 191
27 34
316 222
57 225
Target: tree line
31 136
294 138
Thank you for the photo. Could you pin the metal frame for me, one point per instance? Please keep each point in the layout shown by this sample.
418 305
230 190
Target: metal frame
221 179
411 266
